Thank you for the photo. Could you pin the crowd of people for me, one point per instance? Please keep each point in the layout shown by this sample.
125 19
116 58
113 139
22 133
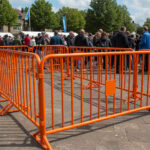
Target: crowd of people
119 39
100 39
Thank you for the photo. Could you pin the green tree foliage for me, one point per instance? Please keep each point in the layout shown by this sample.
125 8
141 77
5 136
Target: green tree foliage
8 15
106 14
42 16
127 19
75 19
101 15
140 30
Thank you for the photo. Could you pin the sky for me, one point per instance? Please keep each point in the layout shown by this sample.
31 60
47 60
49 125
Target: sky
139 9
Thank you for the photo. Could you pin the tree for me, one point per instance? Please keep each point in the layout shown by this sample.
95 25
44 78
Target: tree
75 19
119 20
106 14
8 15
102 14
42 16
148 20
140 30
127 19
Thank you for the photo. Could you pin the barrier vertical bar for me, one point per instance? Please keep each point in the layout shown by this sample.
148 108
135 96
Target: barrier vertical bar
41 105
24 104
142 81
62 91
81 90
135 79
72 73
148 79
121 94
106 77
34 89
129 82
26 83
52 94
30 93
20 81
99 81
91 73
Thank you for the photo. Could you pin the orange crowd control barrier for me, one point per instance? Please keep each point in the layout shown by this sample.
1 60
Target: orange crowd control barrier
18 83
120 89
117 94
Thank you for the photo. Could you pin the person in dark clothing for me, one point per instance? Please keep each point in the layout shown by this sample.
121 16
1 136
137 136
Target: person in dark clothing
81 40
56 39
105 42
6 40
131 40
90 39
120 41
1 41
37 39
137 41
70 39
112 39
43 40
131 45
97 39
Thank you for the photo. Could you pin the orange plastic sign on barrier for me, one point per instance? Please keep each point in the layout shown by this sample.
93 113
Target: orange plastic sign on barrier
110 88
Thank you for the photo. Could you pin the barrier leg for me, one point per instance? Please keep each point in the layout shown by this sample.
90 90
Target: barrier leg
7 108
40 136
94 84
134 95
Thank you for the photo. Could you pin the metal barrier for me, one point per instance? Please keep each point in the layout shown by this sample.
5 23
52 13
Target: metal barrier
120 89
18 83
111 98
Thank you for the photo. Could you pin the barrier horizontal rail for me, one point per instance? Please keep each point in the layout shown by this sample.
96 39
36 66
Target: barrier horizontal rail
120 89
17 48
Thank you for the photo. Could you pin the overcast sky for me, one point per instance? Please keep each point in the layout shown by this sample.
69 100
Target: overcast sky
139 9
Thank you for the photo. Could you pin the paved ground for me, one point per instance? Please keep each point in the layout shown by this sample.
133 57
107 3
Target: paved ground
130 132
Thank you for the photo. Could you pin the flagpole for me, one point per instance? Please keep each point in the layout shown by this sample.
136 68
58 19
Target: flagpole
29 21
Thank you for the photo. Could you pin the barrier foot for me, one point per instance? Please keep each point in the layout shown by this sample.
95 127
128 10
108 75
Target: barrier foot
3 100
48 71
89 85
6 109
135 97
45 144
66 77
